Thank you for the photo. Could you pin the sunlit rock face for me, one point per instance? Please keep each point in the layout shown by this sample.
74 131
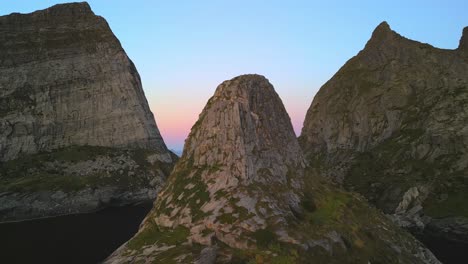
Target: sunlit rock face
391 125
76 132
240 193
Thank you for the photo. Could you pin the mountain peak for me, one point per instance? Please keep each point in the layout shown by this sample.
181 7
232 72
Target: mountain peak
55 15
249 76
242 145
390 88
71 88
77 9
382 35
245 107
383 26
73 8
81 43
247 82
383 29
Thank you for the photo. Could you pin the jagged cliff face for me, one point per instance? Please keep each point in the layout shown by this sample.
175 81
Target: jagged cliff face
240 193
391 124
76 132
65 80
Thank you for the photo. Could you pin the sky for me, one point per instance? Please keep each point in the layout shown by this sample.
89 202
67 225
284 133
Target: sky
184 49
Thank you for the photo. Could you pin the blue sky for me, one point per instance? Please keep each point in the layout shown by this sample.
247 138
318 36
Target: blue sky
184 49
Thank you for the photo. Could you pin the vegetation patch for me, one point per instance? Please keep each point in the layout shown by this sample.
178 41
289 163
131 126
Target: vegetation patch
156 235
330 208
47 171
193 198
379 173
307 203
274 253
227 218
220 194
207 232
366 234
264 237
448 201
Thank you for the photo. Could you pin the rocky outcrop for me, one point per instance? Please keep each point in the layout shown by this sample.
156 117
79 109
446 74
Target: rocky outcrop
79 179
66 80
391 125
463 46
74 121
240 194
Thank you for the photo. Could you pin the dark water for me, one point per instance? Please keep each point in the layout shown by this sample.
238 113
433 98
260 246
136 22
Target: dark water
90 238
84 238
448 252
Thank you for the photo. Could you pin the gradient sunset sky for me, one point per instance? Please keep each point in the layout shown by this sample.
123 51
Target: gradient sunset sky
184 49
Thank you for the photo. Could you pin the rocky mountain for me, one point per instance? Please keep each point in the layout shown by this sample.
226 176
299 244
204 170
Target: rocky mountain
241 194
73 116
391 125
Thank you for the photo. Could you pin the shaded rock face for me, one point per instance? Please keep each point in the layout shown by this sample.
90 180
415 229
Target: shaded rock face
76 132
65 80
239 193
391 125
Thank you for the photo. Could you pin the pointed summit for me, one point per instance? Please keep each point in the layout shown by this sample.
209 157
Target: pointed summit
240 194
382 27
381 35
